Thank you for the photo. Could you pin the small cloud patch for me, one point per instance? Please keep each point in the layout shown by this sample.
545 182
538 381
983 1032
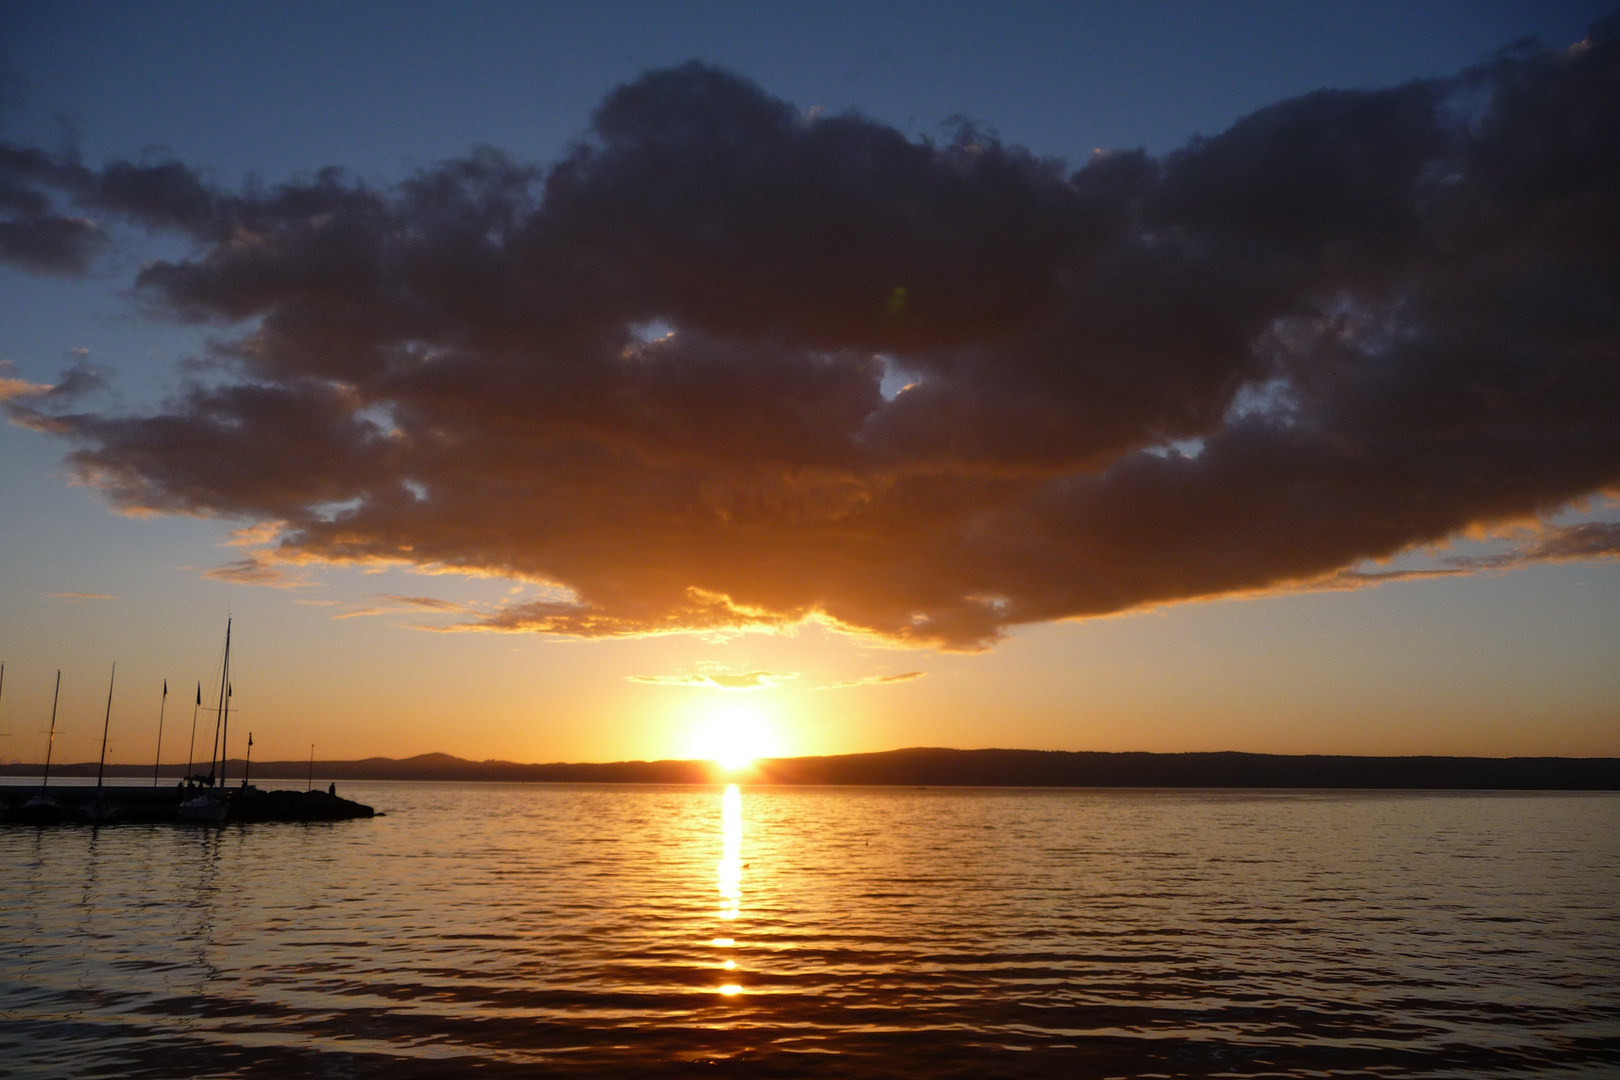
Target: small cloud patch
256 569
719 680
876 680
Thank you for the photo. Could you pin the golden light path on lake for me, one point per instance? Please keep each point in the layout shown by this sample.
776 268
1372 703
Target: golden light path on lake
730 873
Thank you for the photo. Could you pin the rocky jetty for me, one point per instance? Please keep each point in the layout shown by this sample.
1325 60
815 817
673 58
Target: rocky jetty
86 803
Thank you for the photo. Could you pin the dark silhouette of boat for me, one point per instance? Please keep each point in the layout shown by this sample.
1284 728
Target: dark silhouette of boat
209 807
39 810
42 809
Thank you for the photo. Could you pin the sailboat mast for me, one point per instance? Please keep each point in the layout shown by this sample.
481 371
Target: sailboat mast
106 722
220 711
191 747
157 764
52 741
225 734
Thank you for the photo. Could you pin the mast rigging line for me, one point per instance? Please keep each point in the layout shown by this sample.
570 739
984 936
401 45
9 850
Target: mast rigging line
106 722
220 716
157 764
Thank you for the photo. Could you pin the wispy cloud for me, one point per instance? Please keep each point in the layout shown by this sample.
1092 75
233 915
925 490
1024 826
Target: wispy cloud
257 569
876 680
392 604
719 680
252 536
77 596
1587 541
424 603
15 388
712 615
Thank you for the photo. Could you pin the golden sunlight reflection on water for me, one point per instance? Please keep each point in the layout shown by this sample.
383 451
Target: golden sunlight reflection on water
731 853
729 872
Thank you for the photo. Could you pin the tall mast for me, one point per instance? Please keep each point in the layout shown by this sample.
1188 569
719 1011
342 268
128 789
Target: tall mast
158 763
225 734
52 742
224 675
106 721
191 748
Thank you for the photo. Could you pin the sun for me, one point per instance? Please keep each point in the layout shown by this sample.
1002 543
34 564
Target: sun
732 736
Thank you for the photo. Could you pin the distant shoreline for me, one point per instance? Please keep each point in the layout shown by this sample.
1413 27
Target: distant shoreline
934 767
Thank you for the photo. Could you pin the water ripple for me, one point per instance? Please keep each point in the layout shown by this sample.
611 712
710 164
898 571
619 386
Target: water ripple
815 932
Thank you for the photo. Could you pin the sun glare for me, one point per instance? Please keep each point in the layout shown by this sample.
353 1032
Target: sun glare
733 736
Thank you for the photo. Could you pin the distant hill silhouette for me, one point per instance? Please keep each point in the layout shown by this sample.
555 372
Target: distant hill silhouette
943 767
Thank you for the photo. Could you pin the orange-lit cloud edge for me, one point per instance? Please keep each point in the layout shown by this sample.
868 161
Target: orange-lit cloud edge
1535 541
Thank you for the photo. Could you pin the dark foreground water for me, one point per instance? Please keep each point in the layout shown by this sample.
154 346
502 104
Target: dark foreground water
499 930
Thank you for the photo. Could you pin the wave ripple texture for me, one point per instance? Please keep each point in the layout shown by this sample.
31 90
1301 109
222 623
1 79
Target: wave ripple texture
522 930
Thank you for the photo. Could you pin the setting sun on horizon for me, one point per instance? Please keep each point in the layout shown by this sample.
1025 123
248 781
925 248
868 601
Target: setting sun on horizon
733 736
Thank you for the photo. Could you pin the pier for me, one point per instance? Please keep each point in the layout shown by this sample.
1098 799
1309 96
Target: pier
89 803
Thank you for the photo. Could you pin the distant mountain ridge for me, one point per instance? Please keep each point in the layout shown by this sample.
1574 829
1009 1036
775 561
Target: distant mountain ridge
940 767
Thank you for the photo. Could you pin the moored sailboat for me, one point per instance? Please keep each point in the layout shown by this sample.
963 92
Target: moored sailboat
42 809
213 804
100 808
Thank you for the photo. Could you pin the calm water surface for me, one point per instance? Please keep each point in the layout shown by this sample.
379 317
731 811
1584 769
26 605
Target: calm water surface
554 930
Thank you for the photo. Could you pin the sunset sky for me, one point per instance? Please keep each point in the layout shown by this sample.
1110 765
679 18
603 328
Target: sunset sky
634 381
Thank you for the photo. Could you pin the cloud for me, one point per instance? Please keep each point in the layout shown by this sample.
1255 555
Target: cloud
13 388
876 680
36 234
34 405
391 604
256 569
697 611
1364 321
719 680
365 612
1590 540
256 535
77 596
424 603
1587 540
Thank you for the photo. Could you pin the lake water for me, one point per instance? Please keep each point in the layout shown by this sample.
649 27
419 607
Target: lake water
496 930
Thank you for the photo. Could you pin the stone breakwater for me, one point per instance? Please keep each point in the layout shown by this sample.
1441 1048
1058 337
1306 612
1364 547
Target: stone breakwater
85 803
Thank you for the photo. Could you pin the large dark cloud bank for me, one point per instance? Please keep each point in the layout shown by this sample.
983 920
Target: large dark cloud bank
654 372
